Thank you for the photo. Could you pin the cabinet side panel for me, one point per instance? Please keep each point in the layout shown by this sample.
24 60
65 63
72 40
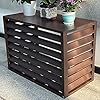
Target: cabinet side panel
81 54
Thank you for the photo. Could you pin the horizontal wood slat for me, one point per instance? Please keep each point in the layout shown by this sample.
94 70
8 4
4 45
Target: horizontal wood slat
37 76
35 54
79 51
26 29
79 59
37 70
79 74
80 42
79 67
79 82
34 39
35 47
81 34
36 62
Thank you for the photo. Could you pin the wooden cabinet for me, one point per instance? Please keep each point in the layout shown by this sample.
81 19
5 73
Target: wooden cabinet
49 53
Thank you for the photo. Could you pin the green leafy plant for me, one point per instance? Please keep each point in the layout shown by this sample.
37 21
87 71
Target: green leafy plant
48 3
22 1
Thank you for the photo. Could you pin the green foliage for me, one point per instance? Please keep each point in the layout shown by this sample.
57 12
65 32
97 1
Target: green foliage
22 1
48 2
45 1
51 1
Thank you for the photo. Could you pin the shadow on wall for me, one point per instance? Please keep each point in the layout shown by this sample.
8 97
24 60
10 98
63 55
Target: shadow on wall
90 10
97 54
8 4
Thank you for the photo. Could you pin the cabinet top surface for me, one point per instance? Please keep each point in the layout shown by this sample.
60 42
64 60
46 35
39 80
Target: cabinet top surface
54 25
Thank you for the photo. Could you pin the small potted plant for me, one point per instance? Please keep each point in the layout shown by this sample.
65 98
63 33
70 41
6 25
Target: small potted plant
48 9
29 6
69 8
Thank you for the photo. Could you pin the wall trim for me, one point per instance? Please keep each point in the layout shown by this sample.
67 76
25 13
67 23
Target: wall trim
97 69
2 35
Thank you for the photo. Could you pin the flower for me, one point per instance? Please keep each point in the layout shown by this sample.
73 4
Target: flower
70 5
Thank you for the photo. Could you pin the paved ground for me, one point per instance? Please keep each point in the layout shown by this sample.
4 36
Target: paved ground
15 87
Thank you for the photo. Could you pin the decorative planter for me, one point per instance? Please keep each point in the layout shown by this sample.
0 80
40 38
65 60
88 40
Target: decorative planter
68 17
49 12
29 9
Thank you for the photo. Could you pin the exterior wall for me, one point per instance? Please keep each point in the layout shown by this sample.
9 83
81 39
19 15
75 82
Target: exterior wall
7 4
90 9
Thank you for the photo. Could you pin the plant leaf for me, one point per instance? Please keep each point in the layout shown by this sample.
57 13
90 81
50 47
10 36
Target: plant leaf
45 1
51 1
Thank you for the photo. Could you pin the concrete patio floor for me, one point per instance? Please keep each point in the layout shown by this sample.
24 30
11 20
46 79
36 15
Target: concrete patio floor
15 87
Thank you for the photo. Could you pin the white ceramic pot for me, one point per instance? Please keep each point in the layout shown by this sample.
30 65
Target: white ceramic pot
68 17
29 9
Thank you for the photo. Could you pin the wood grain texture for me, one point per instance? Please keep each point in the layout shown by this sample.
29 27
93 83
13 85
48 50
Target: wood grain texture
78 82
79 66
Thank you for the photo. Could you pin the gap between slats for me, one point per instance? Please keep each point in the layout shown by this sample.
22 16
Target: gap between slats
79 74
79 35
79 51
36 62
35 39
79 43
79 82
77 60
79 67
36 55
38 32
38 77
37 70
35 47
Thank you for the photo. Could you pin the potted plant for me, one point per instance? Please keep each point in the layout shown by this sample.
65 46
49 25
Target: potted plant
29 7
69 8
48 9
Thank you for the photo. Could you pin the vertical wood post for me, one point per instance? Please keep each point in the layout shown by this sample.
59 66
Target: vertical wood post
94 45
64 63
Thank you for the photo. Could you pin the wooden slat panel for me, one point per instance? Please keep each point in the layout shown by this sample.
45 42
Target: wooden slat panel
79 67
79 74
37 76
77 52
79 82
80 42
79 59
37 70
34 39
37 55
35 47
77 35
83 34
36 62
34 31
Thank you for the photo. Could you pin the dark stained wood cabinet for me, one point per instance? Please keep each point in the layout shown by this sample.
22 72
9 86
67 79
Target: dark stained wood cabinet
49 53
